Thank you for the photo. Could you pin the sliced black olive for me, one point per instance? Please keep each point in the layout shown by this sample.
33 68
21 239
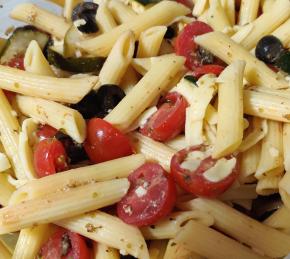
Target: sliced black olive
269 49
88 106
283 62
85 13
170 33
108 97
100 103
74 150
204 56
191 79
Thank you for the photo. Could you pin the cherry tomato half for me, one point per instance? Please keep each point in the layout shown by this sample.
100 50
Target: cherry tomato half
151 196
193 181
49 157
17 62
207 69
46 131
64 244
185 44
169 120
104 142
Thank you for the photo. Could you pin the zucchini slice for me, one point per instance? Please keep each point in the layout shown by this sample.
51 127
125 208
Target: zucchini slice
284 62
77 65
18 42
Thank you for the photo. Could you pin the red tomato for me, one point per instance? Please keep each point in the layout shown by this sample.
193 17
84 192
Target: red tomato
193 181
104 142
207 69
9 95
17 62
49 157
151 196
46 131
169 120
185 45
64 244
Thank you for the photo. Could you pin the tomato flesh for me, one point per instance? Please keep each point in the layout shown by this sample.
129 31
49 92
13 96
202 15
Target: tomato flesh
194 181
151 196
207 69
46 131
17 62
185 44
169 120
104 142
64 244
49 157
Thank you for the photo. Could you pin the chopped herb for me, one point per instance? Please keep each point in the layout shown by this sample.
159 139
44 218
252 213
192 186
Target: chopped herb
191 79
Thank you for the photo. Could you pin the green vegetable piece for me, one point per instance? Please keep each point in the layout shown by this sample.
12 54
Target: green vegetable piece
284 62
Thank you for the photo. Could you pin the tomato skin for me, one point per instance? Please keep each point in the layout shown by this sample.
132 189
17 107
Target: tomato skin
9 95
46 131
49 157
53 247
169 120
156 202
17 62
185 44
193 181
104 142
207 69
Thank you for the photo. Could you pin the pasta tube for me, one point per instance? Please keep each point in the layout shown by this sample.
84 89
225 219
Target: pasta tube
64 181
6 189
160 14
168 228
118 60
104 18
41 19
279 220
4 252
68 90
121 12
145 92
109 230
243 228
256 72
267 23
60 205
69 5
216 16
199 7
153 150
248 11
35 62
199 238
229 6
55 115
283 33
157 249
102 251
230 110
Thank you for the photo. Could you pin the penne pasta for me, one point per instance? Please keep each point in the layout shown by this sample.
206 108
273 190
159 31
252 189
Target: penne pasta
121 12
267 240
150 41
269 184
267 5
55 115
60 205
286 142
283 33
118 60
109 230
229 7
177 143
244 192
216 16
4 252
279 220
259 131
199 238
256 72
152 150
104 18
32 238
160 14
40 18
148 89
64 181
6 189
68 90
35 62
248 11
172 224
129 80
199 7
284 190
157 249
102 251
230 110
68 7
59 2
9 134
271 159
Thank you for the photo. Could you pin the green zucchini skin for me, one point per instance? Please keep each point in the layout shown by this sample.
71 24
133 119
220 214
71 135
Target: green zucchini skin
284 62
76 65
18 42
